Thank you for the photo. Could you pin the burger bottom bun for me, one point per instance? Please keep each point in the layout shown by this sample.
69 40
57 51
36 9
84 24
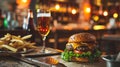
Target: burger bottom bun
80 59
84 60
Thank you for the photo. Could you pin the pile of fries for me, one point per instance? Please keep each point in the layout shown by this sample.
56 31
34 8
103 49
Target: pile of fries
16 43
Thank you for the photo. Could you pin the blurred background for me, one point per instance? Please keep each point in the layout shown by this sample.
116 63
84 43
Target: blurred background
99 17
66 14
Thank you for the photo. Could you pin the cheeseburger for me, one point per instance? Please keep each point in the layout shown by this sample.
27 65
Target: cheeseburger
81 47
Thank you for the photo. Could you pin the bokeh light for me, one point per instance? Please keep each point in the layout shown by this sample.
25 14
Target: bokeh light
115 15
74 11
105 13
57 6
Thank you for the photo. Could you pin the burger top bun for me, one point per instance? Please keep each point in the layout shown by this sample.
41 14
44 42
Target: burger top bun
81 37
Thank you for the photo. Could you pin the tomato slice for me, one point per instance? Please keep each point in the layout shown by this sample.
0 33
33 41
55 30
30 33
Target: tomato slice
78 52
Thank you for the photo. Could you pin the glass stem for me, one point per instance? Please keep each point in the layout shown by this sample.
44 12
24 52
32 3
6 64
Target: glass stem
43 48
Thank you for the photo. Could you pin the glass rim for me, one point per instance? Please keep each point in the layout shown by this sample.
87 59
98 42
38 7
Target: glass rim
43 10
43 13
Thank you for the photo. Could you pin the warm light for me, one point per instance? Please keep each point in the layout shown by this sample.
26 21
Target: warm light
57 7
100 10
98 27
61 0
105 13
98 2
115 15
96 18
88 10
38 10
74 11
24 1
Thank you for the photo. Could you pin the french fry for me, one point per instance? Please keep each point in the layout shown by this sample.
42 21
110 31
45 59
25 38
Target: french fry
15 40
26 37
15 37
9 48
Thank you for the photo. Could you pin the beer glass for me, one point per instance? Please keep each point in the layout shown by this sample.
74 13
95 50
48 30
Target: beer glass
43 25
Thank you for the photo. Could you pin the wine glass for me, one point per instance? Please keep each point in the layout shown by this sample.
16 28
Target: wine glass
43 25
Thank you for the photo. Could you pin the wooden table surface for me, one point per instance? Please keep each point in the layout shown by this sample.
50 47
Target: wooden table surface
101 63
12 62
45 61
